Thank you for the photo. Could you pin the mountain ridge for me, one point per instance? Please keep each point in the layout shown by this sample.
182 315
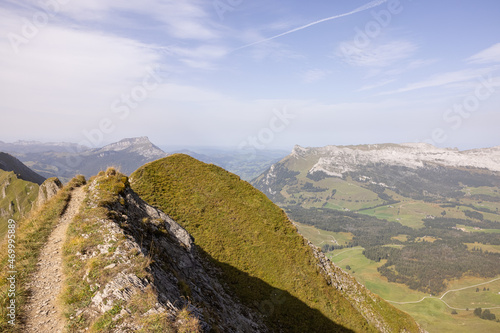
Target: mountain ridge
127 155
238 227
408 155
10 163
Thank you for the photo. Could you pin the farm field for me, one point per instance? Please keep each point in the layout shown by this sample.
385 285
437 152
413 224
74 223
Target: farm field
484 247
320 237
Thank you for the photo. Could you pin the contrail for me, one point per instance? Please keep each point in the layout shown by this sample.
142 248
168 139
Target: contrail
369 5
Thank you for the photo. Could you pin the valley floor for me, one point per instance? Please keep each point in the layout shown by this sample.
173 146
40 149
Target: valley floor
432 312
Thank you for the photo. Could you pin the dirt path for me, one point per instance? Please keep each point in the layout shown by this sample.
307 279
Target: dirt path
441 298
43 313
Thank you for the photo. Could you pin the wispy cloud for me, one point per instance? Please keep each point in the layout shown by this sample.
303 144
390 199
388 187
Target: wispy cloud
314 75
376 85
444 79
378 56
201 57
187 19
490 55
397 69
367 6
275 51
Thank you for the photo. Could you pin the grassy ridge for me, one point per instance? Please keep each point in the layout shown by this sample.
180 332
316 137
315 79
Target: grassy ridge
239 227
31 234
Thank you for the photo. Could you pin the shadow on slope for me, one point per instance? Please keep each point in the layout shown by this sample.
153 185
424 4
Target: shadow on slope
184 274
282 311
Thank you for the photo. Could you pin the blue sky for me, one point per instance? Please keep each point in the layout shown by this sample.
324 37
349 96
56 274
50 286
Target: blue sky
251 74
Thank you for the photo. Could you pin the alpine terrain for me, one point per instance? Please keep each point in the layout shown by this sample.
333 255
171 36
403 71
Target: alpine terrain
412 222
208 253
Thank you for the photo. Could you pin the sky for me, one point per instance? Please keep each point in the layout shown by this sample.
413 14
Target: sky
251 74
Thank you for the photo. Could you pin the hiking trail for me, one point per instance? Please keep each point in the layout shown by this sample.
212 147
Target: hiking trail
43 312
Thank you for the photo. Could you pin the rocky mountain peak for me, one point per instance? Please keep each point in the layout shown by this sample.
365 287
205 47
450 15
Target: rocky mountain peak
139 145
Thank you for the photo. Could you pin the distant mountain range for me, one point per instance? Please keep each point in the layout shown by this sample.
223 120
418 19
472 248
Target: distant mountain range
23 146
65 160
419 171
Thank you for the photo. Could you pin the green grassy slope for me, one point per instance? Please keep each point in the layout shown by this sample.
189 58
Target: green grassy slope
16 198
243 231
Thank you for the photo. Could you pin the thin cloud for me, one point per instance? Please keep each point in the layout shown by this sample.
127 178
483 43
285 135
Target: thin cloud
444 79
187 19
376 85
201 57
274 51
71 71
314 75
490 55
367 6
379 56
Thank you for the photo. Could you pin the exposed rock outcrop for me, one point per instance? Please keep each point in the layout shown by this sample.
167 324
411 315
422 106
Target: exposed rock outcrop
47 190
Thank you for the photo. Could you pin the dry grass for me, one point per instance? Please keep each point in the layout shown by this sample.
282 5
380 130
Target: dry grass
31 235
